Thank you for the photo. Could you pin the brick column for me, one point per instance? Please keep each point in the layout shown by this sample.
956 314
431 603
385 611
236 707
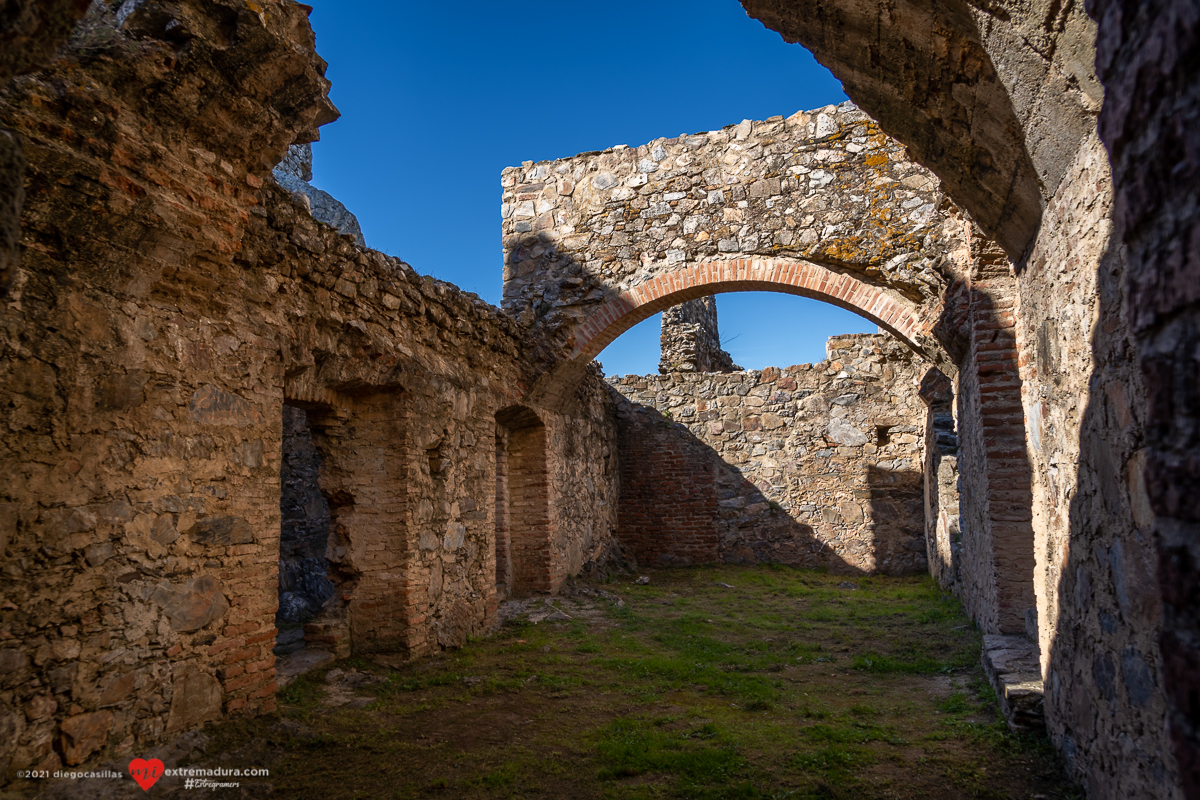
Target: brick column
524 503
1000 547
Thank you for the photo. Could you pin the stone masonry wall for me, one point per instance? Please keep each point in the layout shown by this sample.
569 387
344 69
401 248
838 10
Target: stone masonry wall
592 239
1000 100
1148 56
171 299
690 340
1098 597
813 465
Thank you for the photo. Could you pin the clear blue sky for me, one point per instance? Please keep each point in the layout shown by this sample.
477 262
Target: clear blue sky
437 98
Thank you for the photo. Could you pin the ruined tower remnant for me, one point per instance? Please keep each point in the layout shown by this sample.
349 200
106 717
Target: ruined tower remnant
690 340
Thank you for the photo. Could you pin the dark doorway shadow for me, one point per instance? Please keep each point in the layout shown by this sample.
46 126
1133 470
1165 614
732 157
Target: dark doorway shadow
304 584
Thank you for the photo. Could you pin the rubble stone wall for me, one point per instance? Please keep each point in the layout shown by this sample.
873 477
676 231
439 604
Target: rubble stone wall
813 465
1015 144
1148 56
170 302
1098 598
595 243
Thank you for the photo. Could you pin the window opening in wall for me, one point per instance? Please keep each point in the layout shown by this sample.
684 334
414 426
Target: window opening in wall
522 503
883 435
304 584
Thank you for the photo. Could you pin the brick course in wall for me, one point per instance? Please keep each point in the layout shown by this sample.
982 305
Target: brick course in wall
820 204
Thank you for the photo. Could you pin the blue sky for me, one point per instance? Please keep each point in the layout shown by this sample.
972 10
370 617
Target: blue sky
438 98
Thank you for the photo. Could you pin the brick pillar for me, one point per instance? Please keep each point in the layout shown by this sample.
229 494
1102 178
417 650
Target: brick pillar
524 503
1003 490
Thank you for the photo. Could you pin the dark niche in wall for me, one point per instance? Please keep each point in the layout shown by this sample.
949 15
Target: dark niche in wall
304 584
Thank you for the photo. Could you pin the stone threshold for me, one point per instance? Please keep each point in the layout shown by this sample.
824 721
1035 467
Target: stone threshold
1013 667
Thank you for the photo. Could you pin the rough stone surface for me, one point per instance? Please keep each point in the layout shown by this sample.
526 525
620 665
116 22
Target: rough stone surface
812 465
294 174
992 97
196 699
1148 56
691 341
999 101
30 32
821 204
172 301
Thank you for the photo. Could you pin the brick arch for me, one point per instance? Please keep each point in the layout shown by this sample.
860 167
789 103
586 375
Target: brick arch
688 281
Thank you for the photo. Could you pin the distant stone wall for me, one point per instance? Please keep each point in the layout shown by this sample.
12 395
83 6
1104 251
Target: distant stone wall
813 465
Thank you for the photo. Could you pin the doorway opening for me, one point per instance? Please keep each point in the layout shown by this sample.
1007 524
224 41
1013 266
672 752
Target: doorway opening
522 505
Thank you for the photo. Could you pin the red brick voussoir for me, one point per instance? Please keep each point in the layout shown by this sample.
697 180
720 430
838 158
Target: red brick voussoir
699 279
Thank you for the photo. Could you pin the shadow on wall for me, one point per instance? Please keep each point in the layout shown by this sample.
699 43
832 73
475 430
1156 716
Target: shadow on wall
1104 672
681 503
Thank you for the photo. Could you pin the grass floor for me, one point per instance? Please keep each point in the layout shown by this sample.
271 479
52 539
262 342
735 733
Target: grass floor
716 682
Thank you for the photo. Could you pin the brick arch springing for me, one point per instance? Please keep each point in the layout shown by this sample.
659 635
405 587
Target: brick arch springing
689 281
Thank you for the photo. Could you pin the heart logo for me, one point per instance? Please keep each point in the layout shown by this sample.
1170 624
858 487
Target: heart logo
146 773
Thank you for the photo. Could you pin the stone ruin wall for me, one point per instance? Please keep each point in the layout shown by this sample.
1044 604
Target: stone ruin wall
170 302
690 340
816 465
1098 598
1105 712
597 242
1148 56
1011 130
594 244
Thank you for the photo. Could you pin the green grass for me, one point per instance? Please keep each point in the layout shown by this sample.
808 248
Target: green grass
785 686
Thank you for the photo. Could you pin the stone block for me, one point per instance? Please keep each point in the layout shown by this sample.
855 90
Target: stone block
84 734
195 699
219 531
193 605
